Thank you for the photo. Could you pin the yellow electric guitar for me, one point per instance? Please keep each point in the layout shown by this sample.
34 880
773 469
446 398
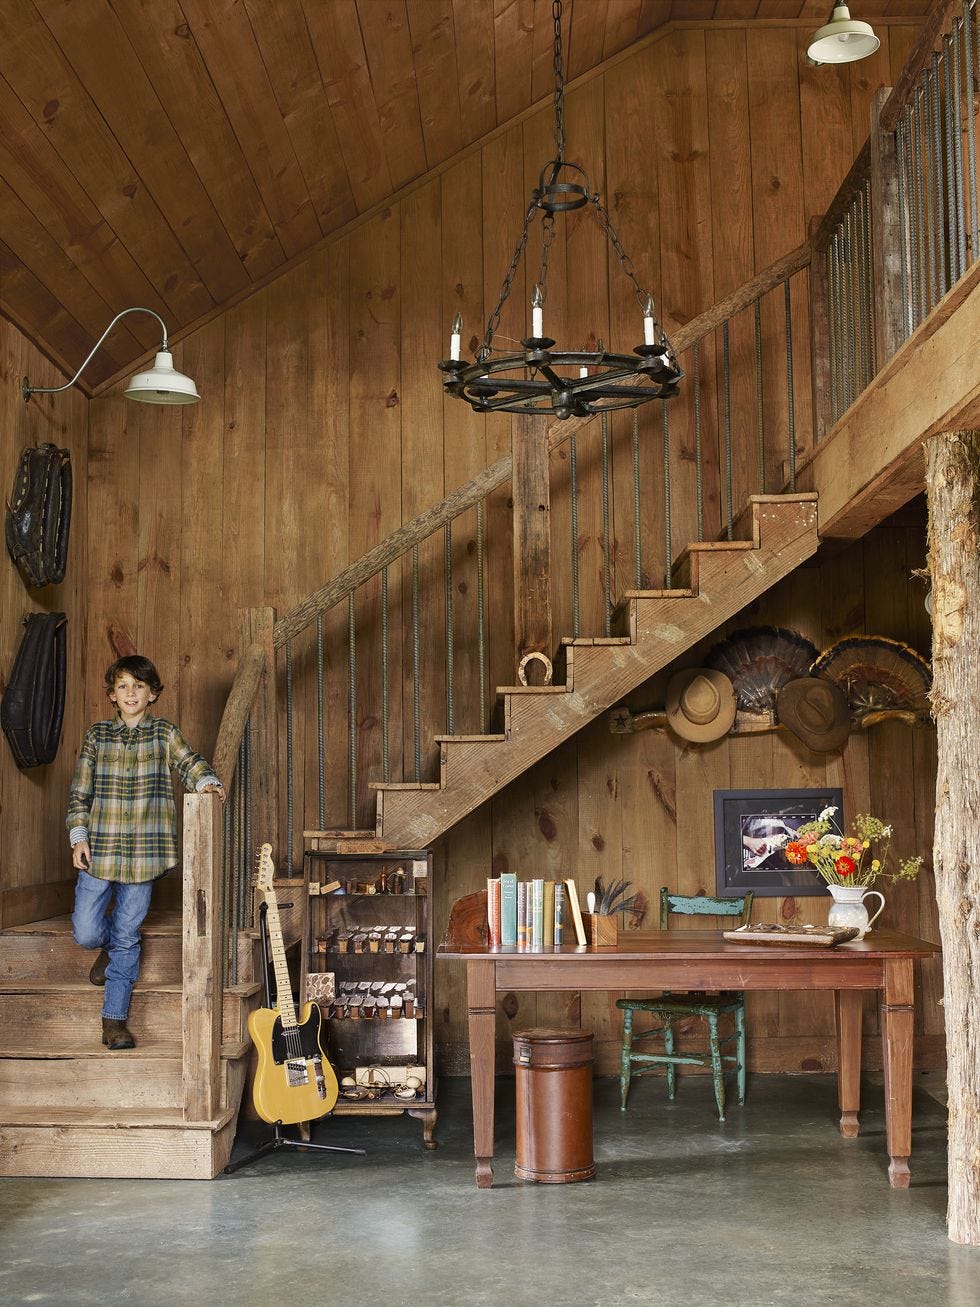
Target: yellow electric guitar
294 1081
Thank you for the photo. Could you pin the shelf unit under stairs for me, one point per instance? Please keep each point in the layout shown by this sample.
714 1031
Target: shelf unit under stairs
655 627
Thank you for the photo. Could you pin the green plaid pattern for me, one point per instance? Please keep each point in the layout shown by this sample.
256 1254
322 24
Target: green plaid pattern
122 794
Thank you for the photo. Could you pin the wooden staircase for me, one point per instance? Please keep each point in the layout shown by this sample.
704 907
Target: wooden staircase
69 1107
656 627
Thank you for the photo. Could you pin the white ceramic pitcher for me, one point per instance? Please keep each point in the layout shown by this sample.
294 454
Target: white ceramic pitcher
848 907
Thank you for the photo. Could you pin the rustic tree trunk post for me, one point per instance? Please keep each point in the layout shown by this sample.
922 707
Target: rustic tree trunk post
953 486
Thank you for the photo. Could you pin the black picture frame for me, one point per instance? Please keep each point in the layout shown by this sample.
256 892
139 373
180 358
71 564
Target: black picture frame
743 815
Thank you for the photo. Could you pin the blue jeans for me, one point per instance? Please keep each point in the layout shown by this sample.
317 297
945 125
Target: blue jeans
119 933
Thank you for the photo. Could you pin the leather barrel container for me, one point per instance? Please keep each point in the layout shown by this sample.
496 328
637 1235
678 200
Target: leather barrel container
553 1070
33 704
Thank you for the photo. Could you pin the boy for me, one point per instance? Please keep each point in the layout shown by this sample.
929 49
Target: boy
122 827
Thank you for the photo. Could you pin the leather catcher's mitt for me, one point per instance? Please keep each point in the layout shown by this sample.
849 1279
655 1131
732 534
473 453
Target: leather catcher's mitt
39 515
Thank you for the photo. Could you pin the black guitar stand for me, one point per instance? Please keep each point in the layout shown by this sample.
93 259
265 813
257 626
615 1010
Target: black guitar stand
278 1140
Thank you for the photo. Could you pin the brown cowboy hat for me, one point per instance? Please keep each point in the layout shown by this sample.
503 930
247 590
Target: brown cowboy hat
816 711
700 704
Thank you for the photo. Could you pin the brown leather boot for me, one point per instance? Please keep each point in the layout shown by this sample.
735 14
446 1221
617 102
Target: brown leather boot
97 974
116 1035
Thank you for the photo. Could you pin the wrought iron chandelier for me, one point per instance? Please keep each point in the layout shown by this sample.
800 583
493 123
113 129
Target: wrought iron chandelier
538 378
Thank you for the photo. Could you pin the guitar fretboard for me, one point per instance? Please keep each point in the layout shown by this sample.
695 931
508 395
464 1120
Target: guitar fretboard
284 991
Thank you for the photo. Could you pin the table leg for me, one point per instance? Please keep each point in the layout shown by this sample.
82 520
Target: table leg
897 1020
848 1004
482 1026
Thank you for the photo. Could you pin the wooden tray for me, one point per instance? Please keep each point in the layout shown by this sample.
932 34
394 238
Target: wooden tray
816 936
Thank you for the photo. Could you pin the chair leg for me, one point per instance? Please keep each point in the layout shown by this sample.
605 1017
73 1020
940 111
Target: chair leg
669 1050
740 1049
716 1065
624 1072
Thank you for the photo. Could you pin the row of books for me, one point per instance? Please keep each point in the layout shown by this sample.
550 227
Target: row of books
533 914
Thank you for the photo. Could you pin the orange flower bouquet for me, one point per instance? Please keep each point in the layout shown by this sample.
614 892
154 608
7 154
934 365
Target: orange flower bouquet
850 860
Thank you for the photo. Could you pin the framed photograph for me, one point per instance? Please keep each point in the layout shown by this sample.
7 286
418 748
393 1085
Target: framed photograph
751 829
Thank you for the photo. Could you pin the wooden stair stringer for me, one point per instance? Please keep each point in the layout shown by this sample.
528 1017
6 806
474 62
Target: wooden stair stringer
723 581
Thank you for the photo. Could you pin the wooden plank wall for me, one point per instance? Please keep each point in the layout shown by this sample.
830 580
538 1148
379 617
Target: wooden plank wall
322 428
36 876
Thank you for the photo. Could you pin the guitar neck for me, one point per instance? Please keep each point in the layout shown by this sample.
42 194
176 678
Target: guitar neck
284 992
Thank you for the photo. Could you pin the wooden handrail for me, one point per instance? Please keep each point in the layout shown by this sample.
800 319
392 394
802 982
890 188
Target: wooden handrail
935 25
235 715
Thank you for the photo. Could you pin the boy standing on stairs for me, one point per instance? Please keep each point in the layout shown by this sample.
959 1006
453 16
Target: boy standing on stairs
122 827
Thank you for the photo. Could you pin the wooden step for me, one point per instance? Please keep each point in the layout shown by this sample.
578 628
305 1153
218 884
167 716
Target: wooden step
153 1145
62 1014
343 841
46 951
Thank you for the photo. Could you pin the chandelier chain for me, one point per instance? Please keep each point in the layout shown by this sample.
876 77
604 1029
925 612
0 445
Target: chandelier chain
627 263
493 322
559 85
547 236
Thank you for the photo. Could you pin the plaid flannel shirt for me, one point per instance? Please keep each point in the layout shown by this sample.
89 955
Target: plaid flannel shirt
121 794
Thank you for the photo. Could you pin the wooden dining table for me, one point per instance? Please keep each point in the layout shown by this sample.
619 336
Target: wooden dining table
694 959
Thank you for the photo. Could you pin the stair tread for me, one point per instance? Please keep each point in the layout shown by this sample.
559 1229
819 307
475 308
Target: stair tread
532 689
340 834
594 641
163 922
719 546
468 739
403 785
108 1117
659 594
89 1047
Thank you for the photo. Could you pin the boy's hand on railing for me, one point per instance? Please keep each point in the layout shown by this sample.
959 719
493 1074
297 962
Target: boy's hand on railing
81 856
219 790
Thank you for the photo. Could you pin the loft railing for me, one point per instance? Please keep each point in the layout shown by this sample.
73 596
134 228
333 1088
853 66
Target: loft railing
903 228
400 646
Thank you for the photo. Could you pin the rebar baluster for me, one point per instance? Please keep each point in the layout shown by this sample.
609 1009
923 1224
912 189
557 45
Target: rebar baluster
321 781
416 688
727 378
481 636
607 542
942 203
289 751
247 906
229 930
833 292
351 711
637 564
954 148
573 491
668 542
849 350
971 141
698 453
791 398
861 284
922 237
936 200
934 207
450 715
760 398
904 239
385 680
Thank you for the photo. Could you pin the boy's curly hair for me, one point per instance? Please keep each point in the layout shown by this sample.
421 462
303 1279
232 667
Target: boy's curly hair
139 668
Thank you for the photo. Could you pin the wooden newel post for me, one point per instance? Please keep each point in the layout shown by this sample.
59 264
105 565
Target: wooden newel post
532 541
201 958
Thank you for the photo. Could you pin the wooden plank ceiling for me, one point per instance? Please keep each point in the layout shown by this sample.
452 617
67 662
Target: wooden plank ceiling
177 153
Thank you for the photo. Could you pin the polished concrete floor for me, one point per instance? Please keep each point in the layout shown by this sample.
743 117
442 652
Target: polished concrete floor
773 1207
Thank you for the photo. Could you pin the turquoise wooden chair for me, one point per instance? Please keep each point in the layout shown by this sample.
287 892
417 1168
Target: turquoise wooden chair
678 1007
